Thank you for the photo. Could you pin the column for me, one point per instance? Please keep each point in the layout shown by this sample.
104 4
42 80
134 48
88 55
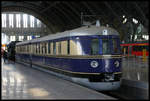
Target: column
14 20
35 23
28 21
17 37
21 22
7 20
25 37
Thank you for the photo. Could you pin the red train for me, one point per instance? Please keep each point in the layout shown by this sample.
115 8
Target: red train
135 49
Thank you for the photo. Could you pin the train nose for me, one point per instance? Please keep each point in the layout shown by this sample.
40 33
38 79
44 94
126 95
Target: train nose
112 65
107 65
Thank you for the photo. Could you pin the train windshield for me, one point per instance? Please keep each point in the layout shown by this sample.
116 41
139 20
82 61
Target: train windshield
105 46
110 46
115 46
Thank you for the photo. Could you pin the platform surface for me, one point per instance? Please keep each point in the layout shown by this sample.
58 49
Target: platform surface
22 82
135 69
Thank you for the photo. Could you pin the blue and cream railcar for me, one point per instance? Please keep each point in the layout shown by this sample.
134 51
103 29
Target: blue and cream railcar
89 55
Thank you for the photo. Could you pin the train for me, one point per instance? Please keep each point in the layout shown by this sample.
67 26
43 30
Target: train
10 48
135 49
88 55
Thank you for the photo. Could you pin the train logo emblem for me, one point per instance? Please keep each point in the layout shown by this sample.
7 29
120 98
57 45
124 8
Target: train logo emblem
116 64
94 64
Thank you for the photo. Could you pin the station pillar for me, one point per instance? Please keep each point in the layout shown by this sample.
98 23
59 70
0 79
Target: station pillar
144 55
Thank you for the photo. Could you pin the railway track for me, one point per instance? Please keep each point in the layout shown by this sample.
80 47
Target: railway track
115 94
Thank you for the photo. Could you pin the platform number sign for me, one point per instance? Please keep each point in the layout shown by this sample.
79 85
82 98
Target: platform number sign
94 64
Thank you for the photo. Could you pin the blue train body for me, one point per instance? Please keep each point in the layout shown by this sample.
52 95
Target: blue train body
102 67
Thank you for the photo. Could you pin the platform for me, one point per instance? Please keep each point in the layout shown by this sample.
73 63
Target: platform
134 68
22 82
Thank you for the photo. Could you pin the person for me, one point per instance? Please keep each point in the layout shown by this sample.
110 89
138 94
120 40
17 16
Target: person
5 56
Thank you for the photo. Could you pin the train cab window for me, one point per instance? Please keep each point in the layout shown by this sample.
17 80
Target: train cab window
105 46
95 47
54 48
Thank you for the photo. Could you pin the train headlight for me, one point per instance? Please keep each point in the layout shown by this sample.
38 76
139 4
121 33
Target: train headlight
117 63
109 77
94 64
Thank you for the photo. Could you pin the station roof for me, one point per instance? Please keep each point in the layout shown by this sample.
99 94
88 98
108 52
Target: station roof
62 15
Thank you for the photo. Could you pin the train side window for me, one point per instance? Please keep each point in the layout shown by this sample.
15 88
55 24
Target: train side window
41 50
51 48
95 47
24 48
64 47
74 48
27 48
37 51
36 48
54 48
59 48
33 51
31 46
42 47
68 47
49 45
45 48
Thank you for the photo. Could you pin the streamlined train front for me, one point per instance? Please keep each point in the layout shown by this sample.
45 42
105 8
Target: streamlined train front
101 60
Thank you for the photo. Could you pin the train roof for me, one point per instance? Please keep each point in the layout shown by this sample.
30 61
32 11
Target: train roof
82 31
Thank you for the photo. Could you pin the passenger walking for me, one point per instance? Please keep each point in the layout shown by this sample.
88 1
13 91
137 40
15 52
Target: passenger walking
5 56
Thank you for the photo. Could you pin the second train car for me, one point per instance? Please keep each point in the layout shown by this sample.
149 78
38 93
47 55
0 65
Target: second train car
88 55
